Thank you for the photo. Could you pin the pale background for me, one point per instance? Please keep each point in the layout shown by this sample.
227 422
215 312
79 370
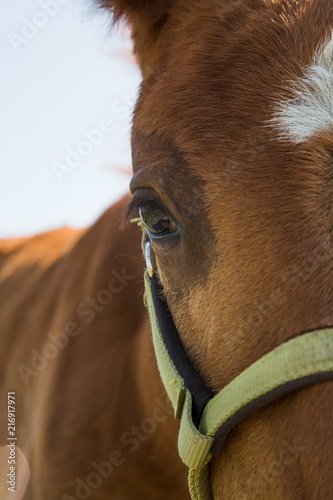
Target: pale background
62 74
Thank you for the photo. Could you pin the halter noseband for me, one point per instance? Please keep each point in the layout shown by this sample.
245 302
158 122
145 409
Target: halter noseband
206 419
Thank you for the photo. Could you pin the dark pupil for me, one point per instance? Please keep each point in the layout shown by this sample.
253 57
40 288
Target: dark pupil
156 220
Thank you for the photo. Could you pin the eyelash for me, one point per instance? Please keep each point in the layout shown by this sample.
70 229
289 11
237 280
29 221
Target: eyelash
135 205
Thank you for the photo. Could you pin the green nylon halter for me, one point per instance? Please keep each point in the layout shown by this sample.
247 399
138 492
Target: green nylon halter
302 361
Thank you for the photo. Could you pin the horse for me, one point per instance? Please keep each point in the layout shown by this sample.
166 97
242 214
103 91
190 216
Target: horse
232 180
91 418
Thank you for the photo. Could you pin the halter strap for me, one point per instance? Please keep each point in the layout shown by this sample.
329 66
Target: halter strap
206 419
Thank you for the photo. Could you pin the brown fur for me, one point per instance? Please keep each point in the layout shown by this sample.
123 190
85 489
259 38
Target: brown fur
82 405
255 265
252 269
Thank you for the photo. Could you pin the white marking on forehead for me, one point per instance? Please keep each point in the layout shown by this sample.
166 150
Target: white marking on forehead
310 110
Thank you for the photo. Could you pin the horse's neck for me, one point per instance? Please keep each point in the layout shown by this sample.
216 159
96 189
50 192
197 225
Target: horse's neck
277 452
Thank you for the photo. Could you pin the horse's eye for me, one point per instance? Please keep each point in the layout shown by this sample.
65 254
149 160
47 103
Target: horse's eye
157 221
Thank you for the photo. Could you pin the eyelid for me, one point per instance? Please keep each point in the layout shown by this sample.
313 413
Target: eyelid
144 199
147 197
133 208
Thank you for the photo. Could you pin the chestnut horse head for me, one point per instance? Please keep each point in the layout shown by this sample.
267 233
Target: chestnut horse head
233 157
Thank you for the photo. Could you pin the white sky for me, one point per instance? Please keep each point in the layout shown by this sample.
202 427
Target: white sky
58 81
